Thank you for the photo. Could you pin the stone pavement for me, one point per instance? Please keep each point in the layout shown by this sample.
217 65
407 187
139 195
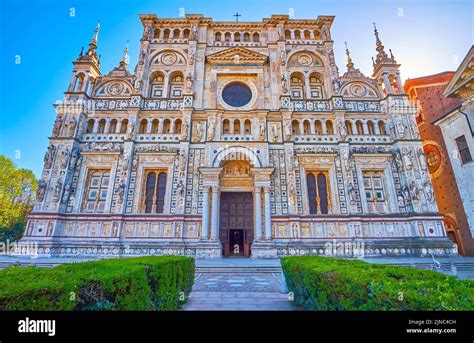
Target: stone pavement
238 284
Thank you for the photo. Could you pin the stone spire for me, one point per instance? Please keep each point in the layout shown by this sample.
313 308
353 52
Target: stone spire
123 62
93 43
382 56
351 73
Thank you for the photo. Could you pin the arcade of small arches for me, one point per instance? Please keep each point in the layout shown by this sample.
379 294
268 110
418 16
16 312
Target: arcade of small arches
166 85
312 126
170 33
146 126
306 86
237 37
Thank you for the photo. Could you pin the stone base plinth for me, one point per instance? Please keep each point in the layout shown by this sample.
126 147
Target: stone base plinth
208 250
264 249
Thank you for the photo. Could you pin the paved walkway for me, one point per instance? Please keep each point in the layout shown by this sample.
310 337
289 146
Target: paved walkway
238 284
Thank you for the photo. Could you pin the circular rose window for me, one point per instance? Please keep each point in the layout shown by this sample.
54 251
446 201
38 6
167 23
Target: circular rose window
236 94
433 157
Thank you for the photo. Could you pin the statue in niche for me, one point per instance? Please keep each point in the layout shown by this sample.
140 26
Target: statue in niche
262 131
400 128
281 34
72 127
342 130
57 125
181 164
67 191
40 190
407 158
398 160
211 128
198 132
414 192
191 55
194 32
294 230
131 128
351 192
325 34
274 131
185 130
57 190
422 158
429 191
287 130
284 84
189 83
49 157
121 191
282 57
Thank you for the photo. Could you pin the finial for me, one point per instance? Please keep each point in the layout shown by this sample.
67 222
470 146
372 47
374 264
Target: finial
349 64
82 52
93 43
377 39
373 62
124 61
391 55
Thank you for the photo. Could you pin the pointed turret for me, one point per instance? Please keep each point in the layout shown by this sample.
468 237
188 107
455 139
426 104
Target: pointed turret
386 69
93 43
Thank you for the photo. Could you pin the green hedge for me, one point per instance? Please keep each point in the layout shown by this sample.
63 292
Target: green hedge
143 283
323 283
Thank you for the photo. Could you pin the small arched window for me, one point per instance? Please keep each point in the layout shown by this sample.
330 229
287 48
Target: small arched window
177 126
166 126
307 35
295 126
349 127
218 37
237 37
256 37
101 128
124 126
154 126
166 34
318 127
360 128
176 33
329 127
306 127
287 34
237 126
248 126
382 129
113 126
90 126
143 126
227 36
186 33
316 86
225 126
371 127
246 37
155 190
297 34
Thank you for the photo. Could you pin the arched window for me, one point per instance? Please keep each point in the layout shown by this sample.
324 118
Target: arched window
248 126
307 35
90 126
113 126
316 86
306 127
237 126
154 126
225 126
360 128
297 86
318 127
227 36
157 33
349 127
176 85
318 193
237 37
246 37
295 126
176 33
78 83
329 127
382 129
371 127
154 192
218 37
156 85
101 128
256 37
186 33
177 126
297 34
166 34
287 34
124 126
166 126
393 84
143 126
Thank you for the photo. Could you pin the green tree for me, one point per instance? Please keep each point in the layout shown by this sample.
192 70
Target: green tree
17 193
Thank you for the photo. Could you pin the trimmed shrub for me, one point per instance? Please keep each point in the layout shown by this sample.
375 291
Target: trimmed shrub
324 283
143 283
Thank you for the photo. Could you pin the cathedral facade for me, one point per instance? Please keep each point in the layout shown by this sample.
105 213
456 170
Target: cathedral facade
235 138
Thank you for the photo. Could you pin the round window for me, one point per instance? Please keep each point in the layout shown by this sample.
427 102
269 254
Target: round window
236 94
433 157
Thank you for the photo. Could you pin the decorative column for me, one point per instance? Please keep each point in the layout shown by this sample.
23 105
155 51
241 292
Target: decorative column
268 220
215 213
205 214
258 213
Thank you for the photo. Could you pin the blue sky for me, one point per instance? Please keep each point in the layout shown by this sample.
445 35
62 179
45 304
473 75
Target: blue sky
426 37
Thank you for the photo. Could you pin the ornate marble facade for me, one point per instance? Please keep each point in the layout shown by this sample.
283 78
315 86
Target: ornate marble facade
137 161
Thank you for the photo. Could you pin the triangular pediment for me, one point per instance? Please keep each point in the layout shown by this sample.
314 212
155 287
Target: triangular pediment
237 56
462 84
